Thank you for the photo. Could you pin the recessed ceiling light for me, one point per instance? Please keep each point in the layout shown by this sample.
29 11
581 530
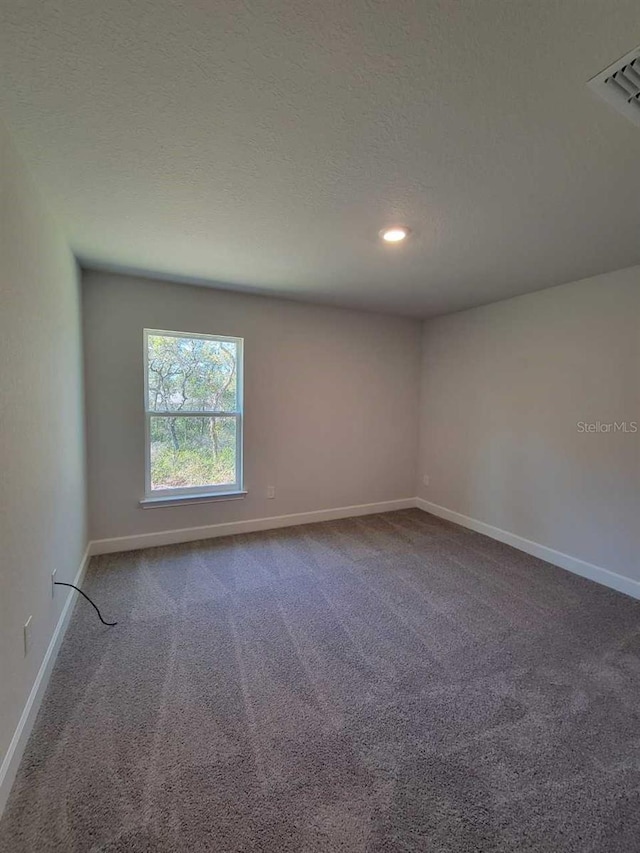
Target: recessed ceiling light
395 234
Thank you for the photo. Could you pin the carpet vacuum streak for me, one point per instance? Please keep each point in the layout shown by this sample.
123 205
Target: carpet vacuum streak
391 683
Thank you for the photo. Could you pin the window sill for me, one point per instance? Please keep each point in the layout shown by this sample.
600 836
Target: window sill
180 500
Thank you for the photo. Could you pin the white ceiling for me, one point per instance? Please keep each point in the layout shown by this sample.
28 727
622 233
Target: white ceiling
263 145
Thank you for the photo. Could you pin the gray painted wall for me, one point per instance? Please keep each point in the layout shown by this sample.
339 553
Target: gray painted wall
42 499
331 402
503 390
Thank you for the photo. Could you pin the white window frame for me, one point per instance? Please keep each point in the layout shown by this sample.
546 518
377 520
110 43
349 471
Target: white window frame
195 491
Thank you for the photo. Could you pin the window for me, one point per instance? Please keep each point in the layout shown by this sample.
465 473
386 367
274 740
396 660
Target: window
193 410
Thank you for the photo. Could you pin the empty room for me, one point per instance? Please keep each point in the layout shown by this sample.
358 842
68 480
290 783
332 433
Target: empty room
320 426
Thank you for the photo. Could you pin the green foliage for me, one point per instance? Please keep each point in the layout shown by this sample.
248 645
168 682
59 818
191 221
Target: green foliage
171 470
192 375
187 451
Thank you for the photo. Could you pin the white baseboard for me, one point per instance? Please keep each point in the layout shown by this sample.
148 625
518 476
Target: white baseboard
210 531
20 737
621 583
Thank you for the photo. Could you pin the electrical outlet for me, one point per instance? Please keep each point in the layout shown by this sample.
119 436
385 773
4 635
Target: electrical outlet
53 583
425 479
27 635
271 491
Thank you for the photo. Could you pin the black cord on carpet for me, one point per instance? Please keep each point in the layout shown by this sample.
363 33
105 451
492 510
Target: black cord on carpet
77 588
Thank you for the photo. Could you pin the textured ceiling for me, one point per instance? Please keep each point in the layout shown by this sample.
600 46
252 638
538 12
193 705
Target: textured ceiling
263 145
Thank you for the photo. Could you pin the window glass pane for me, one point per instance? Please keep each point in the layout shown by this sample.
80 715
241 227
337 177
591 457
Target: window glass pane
192 452
191 374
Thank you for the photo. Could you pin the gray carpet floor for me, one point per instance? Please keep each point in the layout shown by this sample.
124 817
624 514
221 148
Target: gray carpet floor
391 683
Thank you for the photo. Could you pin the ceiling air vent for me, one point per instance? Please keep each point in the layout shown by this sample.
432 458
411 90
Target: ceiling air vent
619 84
